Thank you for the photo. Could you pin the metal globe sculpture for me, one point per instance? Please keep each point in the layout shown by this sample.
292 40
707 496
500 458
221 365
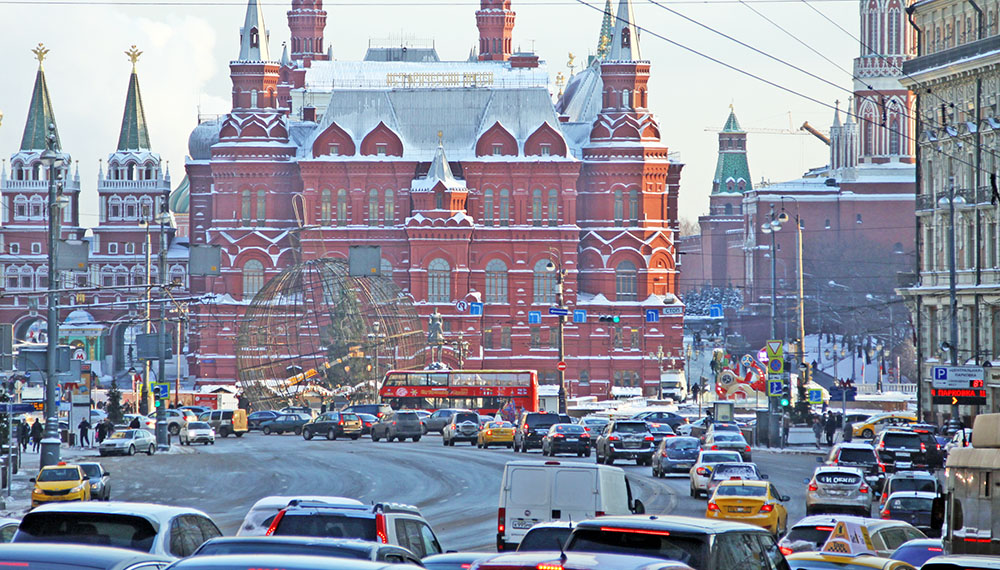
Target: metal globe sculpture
315 331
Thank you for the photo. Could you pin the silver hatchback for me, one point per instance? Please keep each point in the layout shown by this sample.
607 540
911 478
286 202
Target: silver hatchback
835 489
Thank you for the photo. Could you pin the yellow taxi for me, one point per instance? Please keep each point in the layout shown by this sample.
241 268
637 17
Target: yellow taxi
751 502
872 425
496 433
825 561
58 483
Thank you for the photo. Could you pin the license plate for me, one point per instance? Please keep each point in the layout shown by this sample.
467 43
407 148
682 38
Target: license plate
683 465
902 455
632 445
739 510
522 524
570 439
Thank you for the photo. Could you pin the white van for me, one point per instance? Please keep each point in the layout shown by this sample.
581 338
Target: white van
537 491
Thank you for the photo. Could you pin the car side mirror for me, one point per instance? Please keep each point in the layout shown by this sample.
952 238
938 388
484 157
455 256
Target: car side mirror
32 480
107 473
805 481
86 478
764 476
785 498
638 508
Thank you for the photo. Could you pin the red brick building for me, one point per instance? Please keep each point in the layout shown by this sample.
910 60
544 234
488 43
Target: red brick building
470 179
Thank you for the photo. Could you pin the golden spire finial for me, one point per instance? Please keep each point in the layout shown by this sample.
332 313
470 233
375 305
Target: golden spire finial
133 55
40 52
441 138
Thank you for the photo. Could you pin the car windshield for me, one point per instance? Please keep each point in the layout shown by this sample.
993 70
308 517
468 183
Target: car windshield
740 491
197 425
725 427
719 457
500 425
864 456
547 538
569 428
745 471
631 427
813 534
408 416
122 531
466 417
330 525
123 434
595 423
910 504
277 547
683 443
688 550
728 437
838 478
922 485
902 440
59 474
93 470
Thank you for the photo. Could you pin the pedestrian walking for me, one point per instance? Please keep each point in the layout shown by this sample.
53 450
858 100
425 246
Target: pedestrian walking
36 435
99 432
84 427
134 424
23 434
817 430
831 428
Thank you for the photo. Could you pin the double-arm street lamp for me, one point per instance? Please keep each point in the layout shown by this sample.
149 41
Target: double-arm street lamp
560 274
52 160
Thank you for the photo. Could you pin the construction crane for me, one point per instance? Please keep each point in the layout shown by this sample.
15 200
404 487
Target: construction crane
805 129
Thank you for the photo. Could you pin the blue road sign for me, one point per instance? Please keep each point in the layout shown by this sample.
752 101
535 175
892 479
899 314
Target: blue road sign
579 315
775 387
8 408
815 396
534 317
562 311
476 309
715 311
652 315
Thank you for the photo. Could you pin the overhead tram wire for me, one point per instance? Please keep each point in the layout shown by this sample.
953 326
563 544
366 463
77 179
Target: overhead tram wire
385 3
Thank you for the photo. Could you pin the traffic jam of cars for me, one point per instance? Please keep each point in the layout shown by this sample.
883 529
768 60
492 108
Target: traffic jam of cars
874 502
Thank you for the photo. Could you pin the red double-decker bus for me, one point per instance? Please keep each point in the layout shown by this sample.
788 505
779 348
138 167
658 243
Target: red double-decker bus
486 391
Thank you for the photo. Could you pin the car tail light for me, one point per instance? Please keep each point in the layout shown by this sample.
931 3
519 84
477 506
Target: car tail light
864 488
713 507
934 549
703 472
881 444
747 449
599 514
341 422
715 447
766 508
649 438
886 514
655 425
380 530
881 466
613 438
635 530
549 566
274 523
922 446
938 446
393 423
587 435
489 432
558 435
785 550
585 428
813 487
501 518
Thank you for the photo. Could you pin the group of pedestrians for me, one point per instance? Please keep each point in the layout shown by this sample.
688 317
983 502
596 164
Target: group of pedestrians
827 424
30 434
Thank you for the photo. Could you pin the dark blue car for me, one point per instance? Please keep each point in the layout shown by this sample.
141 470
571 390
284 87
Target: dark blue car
675 454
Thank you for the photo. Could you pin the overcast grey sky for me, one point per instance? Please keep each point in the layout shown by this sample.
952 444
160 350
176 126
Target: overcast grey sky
187 49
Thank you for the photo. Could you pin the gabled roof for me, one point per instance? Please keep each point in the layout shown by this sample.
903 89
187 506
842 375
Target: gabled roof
40 113
134 134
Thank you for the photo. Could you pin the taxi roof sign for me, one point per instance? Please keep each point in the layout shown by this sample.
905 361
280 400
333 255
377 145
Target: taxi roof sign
849 539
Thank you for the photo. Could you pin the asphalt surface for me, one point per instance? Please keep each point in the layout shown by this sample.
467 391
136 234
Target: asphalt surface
456 488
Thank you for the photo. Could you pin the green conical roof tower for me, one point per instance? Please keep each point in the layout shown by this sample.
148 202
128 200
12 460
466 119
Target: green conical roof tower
134 134
732 172
40 113
607 29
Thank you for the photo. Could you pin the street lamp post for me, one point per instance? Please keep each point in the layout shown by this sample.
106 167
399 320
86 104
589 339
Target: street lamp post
953 284
50 443
142 397
771 227
560 274
162 436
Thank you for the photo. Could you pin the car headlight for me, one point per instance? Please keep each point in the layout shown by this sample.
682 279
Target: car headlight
78 488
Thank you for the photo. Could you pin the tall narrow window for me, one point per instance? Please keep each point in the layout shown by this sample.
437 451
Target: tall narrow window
253 278
894 135
341 207
438 281
619 209
536 208
553 208
496 282
893 47
246 211
545 283
488 208
390 207
505 207
633 207
505 337
373 207
326 206
869 136
626 282
261 205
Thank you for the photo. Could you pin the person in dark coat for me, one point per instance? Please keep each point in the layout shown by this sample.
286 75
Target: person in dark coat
831 428
23 434
36 435
134 424
100 432
84 427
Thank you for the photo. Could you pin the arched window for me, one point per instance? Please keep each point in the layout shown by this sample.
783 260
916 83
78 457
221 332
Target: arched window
261 205
177 275
545 283
246 206
131 208
138 275
21 207
619 209
121 276
488 207
496 282
872 33
633 207
893 47
894 136
341 207
326 206
729 209
146 208
438 281
626 282
373 207
12 281
253 278
505 207
536 208
553 208
27 278
390 207
37 208
42 277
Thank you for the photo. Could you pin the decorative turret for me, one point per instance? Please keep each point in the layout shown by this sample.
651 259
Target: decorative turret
40 113
732 174
439 193
623 71
133 134
254 75
307 20
607 29
495 21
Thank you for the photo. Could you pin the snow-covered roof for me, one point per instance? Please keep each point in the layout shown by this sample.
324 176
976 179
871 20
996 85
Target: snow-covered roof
325 76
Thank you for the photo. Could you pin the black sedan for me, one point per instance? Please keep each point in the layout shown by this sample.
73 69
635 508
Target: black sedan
566 438
255 419
285 423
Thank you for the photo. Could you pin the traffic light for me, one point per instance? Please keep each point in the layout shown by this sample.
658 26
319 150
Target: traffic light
610 319
786 397
157 402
